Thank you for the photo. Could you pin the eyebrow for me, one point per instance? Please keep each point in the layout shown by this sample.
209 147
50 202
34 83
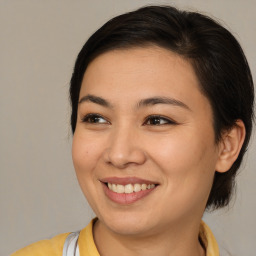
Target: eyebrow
95 99
142 103
162 100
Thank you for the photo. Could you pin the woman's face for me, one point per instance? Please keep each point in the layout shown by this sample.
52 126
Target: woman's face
143 120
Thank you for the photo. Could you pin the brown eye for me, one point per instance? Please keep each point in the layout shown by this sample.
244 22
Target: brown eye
158 120
94 119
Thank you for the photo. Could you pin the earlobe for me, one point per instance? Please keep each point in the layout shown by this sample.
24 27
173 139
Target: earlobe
230 146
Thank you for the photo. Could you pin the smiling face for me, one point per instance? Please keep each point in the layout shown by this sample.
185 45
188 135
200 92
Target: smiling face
143 120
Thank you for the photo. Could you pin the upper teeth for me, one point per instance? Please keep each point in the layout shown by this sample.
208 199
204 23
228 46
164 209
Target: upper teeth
129 188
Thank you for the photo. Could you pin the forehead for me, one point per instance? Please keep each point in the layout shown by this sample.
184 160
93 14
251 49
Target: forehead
151 60
137 73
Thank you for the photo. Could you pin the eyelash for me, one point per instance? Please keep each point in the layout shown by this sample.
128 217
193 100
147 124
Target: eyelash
86 119
166 120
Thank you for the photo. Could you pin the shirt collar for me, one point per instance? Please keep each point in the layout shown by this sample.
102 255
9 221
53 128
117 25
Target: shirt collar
208 239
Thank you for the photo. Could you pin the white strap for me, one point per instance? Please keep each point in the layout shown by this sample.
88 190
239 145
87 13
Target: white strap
70 246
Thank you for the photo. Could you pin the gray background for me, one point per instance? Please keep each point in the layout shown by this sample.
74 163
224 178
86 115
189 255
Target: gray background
39 194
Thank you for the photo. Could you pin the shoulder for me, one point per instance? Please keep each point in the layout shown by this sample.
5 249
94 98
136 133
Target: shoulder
49 247
54 246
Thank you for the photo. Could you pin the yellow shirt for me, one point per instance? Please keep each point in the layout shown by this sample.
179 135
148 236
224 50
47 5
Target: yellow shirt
87 247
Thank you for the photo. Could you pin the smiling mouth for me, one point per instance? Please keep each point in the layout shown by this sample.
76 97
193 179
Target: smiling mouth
129 188
127 191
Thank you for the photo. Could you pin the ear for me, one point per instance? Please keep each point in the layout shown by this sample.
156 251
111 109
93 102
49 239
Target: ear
230 146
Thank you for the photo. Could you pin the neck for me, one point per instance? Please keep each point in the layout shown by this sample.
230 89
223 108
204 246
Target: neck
179 240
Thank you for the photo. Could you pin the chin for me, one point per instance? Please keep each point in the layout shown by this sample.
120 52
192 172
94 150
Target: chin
126 224
127 228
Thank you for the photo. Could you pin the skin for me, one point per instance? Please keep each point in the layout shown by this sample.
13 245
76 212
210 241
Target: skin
179 153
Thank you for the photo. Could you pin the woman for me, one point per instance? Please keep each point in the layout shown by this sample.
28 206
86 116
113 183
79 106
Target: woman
162 108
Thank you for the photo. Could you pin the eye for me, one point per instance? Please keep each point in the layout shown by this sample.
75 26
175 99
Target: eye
158 120
94 119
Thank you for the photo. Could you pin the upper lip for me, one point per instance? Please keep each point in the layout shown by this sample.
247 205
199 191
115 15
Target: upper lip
127 180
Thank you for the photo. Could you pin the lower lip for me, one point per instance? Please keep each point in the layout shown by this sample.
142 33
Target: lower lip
123 198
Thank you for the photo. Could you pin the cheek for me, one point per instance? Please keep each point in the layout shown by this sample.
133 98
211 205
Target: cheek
178 150
80 152
85 152
187 163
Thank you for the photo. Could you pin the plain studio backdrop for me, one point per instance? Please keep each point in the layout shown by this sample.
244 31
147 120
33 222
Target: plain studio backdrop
39 194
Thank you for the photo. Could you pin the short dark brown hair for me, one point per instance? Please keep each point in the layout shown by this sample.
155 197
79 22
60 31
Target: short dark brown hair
215 54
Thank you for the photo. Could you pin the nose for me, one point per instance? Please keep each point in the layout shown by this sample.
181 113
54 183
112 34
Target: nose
124 149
